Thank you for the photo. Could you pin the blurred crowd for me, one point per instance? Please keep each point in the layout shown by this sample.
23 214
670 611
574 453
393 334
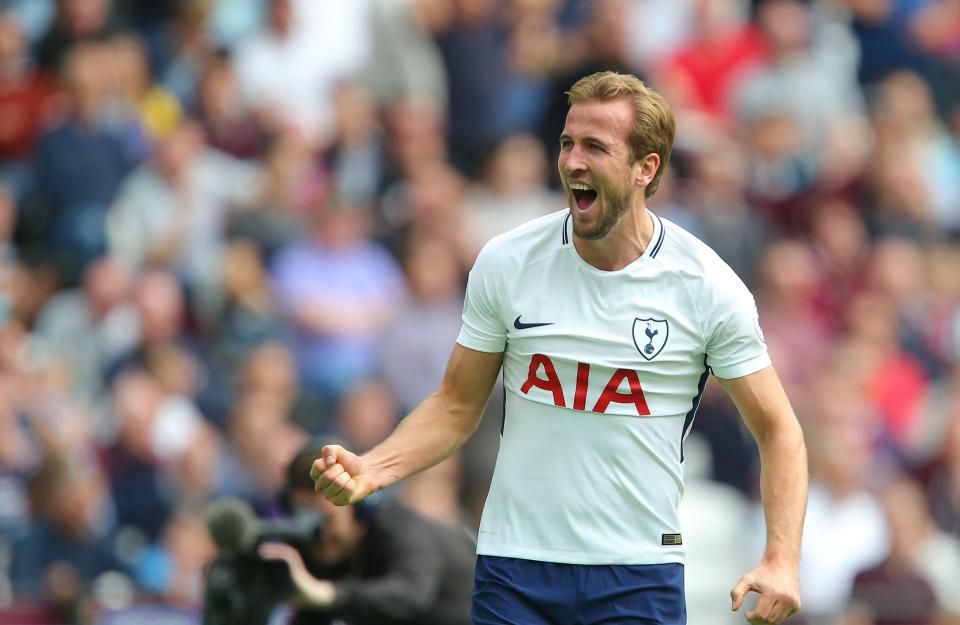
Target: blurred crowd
228 226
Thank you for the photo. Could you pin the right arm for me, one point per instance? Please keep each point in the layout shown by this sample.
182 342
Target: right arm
431 433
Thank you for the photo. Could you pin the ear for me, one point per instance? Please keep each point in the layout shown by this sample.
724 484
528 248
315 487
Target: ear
645 169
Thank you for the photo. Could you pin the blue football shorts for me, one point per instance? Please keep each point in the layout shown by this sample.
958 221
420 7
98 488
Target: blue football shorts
512 591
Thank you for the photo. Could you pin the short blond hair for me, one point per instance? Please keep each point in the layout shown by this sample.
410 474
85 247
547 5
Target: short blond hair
653 127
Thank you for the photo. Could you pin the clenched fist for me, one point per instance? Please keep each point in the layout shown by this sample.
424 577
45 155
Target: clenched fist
340 476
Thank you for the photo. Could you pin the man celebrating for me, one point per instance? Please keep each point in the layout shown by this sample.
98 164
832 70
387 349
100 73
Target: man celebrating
606 320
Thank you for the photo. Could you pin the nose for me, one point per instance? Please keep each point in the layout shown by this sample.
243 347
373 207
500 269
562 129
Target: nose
571 161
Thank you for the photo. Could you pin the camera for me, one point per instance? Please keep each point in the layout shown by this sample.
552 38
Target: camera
241 587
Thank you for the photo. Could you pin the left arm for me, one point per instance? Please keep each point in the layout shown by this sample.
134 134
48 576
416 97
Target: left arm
764 407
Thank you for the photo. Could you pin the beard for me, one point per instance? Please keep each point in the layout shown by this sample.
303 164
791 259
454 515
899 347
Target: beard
615 203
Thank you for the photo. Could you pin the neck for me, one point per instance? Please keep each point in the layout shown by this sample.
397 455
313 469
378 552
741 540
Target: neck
625 243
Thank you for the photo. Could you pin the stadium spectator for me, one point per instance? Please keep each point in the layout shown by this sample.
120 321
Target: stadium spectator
171 570
192 51
842 247
269 369
473 48
702 75
137 486
943 482
934 554
367 414
294 185
788 282
513 190
26 99
19 457
261 442
228 122
71 529
897 591
429 202
76 22
151 108
92 326
416 343
161 312
404 59
714 198
807 76
906 121
338 320
8 249
248 319
289 68
355 154
80 165
173 209
414 132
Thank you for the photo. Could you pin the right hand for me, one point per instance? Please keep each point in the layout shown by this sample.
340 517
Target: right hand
341 476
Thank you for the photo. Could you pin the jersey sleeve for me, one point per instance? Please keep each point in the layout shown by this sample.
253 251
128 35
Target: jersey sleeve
483 328
735 345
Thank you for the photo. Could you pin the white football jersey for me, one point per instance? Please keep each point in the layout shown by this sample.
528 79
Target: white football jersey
603 372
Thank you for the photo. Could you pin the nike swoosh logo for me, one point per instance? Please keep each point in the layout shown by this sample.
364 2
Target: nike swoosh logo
526 326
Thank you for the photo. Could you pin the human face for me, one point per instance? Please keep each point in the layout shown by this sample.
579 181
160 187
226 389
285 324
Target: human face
341 533
599 172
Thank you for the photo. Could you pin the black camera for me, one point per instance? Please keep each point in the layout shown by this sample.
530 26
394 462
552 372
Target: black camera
241 587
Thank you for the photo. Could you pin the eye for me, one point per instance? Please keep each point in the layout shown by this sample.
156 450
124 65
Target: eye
597 147
566 143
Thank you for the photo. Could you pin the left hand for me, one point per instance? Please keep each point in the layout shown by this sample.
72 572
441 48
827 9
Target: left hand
779 590
312 592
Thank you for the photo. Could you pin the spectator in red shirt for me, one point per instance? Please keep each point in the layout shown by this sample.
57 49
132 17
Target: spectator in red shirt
26 97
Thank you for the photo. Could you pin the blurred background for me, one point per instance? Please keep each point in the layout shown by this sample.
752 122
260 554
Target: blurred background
227 226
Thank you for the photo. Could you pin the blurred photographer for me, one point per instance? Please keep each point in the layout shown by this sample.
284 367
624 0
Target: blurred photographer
373 563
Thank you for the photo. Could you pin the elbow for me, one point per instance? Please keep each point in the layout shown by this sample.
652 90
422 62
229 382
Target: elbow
463 416
783 435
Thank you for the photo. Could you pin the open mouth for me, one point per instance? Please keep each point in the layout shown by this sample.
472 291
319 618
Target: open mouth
583 195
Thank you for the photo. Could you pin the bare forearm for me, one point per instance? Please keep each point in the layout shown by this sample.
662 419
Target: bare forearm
427 436
431 433
783 486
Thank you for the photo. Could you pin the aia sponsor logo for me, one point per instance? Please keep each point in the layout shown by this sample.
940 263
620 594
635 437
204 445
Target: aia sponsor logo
622 387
